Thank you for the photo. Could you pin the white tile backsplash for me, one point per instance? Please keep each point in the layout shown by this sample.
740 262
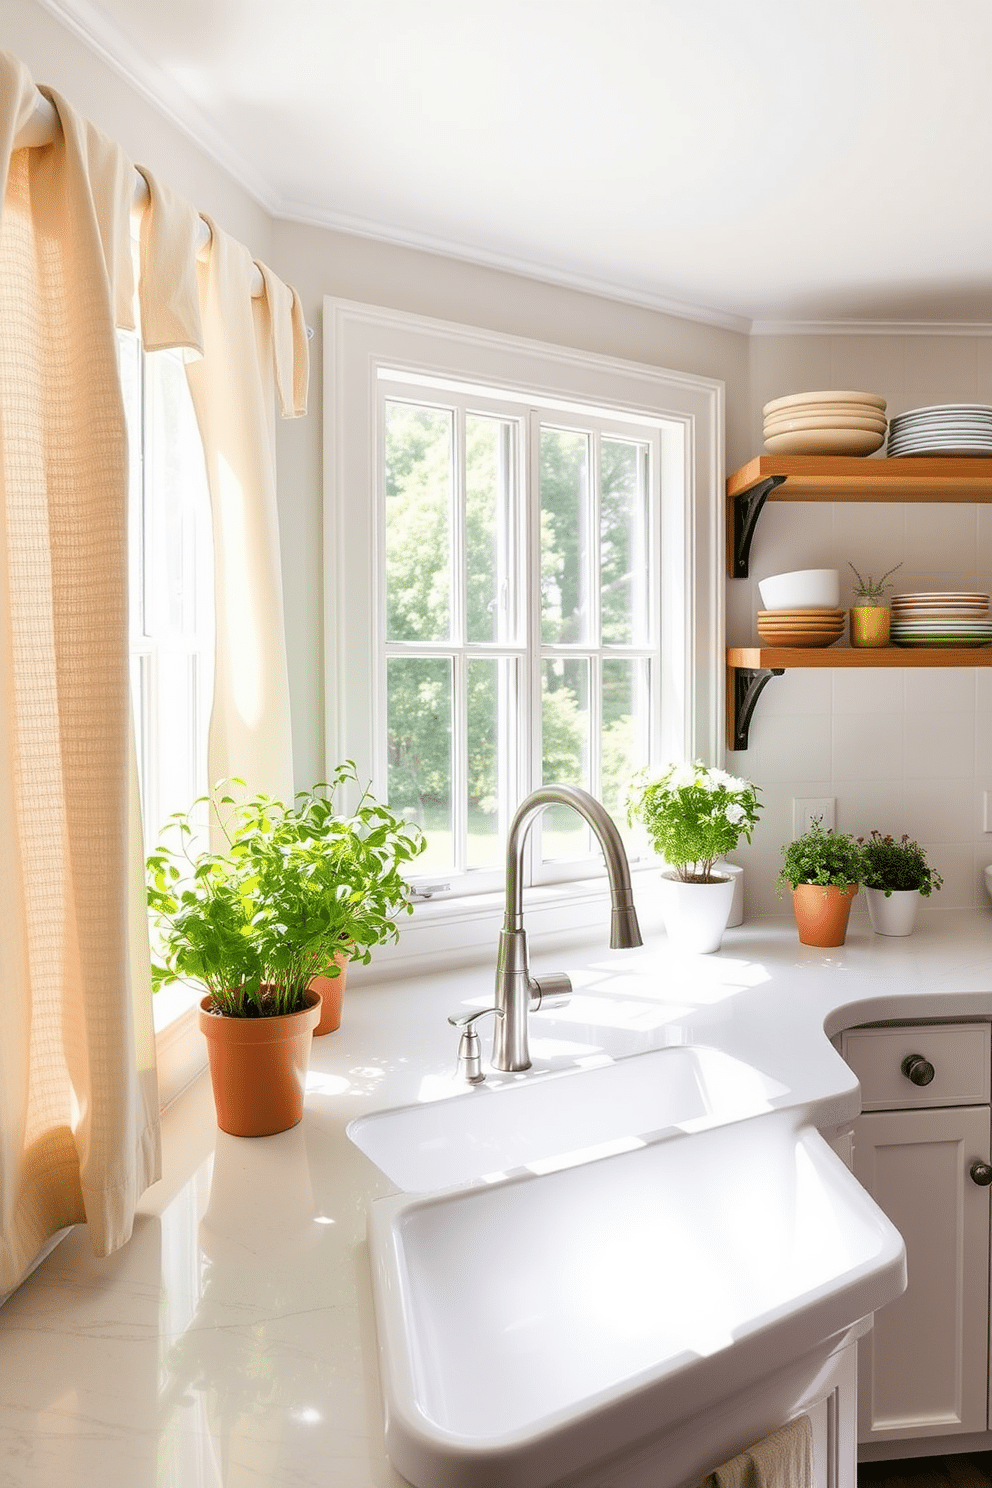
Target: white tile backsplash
939 746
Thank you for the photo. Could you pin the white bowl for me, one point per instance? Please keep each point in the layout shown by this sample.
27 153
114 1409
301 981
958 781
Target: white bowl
807 588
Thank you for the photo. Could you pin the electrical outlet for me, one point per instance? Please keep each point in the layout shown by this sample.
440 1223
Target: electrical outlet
807 810
987 811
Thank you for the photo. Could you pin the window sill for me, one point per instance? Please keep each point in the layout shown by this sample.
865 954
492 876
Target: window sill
448 933
180 1052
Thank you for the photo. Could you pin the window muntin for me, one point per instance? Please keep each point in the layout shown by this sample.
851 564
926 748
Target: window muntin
520 554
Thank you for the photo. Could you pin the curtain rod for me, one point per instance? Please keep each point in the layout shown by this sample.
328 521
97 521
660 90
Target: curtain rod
44 126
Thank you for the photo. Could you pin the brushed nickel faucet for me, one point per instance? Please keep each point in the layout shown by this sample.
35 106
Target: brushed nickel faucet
517 992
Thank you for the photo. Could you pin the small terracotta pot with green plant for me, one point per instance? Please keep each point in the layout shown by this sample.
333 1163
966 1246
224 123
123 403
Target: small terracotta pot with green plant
896 876
870 615
823 869
255 923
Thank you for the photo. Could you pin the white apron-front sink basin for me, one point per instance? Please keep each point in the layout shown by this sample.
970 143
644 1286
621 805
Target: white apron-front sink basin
531 1328
543 1122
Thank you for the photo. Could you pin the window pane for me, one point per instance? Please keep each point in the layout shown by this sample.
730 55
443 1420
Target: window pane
623 542
564 536
492 692
418 723
488 490
418 523
565 751
175 502
625 733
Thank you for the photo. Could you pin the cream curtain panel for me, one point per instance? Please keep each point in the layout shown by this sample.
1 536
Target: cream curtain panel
252 348
78 1099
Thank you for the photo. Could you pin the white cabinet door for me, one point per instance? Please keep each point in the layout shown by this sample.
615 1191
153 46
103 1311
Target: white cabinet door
923 1370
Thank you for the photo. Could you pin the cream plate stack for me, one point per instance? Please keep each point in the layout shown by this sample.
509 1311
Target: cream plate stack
941 618
833 423
808 627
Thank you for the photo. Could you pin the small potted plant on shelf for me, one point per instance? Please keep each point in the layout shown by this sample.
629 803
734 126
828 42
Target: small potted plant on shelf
293 891
694 816
823 870
896 876
870 615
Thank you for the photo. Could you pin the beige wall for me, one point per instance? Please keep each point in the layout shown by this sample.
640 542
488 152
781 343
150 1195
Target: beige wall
903 751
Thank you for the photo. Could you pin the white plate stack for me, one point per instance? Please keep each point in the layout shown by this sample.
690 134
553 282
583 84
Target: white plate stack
945 429
833 423
941 618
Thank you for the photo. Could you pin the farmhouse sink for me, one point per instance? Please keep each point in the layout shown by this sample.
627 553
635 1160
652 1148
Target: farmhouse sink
539 1326
546 1122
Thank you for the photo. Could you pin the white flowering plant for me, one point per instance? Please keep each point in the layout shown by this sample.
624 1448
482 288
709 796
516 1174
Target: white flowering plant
693 815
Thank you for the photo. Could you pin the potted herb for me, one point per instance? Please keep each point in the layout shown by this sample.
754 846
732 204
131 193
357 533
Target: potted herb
870 616
292 889
823 870
896 875
693 816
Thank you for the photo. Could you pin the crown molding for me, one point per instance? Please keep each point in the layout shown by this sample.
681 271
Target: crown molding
871 328
309 216
91 26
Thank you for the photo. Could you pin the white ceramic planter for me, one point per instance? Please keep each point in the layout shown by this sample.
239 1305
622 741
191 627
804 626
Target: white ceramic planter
895 915
696 914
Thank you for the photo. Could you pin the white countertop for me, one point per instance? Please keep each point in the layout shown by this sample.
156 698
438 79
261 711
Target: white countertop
232 1342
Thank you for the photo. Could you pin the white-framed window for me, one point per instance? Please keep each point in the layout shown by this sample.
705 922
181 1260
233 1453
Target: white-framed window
170 566
523 545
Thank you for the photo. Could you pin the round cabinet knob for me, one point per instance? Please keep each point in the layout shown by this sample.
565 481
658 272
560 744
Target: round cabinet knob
981 1174
917 1069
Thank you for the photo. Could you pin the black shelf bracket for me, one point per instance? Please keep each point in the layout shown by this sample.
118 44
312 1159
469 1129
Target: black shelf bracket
749 683
747 509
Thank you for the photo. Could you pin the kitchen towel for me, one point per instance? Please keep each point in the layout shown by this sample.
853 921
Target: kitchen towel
782 1460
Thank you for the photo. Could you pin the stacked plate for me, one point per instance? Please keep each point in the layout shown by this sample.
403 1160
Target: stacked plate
941 618
946 429
834 423
808 627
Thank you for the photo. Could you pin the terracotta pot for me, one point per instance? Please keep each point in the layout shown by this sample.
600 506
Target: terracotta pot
870 625
822 913
331 991
258 1068
895 914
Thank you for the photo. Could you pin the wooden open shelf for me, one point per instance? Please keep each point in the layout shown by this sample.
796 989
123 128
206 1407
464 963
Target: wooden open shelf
787 657
751 668
932 479
843 478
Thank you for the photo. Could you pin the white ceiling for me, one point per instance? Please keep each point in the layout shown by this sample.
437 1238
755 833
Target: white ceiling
742 160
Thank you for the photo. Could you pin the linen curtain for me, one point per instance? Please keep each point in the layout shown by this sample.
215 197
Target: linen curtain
78 1097
79 1134
253 347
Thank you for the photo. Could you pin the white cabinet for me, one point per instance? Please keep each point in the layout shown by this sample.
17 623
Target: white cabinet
921 1149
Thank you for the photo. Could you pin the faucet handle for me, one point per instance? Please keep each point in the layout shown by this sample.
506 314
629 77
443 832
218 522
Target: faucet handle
553 990
469 1047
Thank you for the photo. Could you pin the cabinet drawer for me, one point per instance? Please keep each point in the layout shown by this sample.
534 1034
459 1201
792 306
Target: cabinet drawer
959 1052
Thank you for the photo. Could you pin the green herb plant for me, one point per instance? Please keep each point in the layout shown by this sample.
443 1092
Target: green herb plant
890 864
869 591
821 857
293 886
693 815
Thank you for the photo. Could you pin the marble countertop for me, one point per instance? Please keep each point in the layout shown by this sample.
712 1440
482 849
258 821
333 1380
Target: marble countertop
232 1342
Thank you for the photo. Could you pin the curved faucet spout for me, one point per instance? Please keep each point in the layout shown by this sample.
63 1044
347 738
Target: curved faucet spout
514 986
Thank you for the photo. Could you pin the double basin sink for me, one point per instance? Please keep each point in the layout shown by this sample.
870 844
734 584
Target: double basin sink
581 1263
